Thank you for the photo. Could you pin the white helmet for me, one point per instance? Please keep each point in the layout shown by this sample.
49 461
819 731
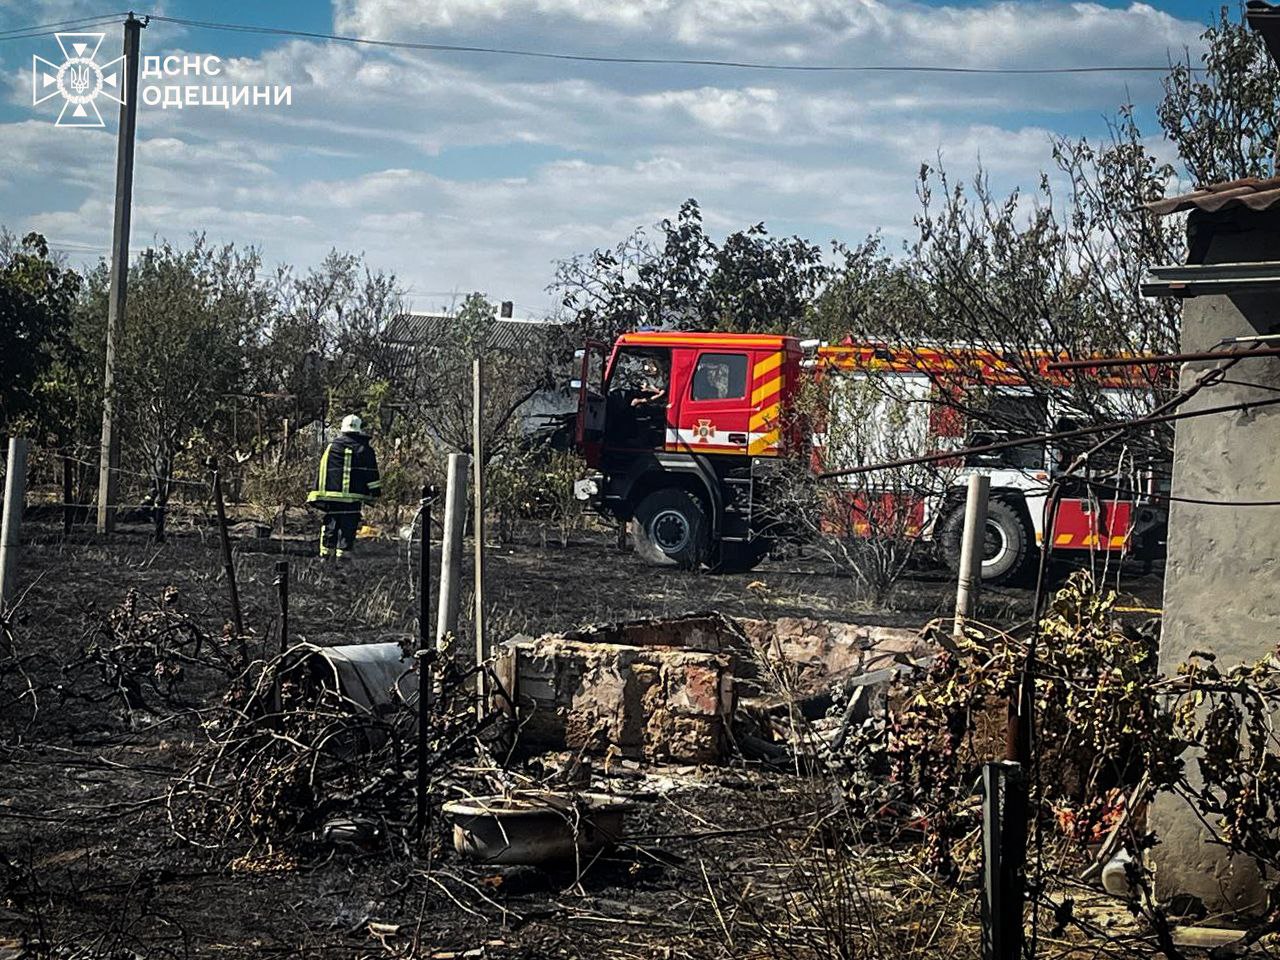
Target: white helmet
351 423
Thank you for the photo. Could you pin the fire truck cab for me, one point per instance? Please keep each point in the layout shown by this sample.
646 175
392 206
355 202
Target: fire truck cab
680 429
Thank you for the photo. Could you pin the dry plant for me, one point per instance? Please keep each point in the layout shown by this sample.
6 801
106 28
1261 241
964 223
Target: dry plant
142 653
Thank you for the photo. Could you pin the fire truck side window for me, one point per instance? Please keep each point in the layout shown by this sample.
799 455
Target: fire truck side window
720 376
637 399
1004 416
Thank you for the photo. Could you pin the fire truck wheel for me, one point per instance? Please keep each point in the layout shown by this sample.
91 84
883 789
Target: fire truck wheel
1006 548
670 529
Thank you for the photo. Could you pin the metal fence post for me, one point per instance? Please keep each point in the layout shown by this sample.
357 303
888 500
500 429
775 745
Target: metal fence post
426 665
477 442
1004 857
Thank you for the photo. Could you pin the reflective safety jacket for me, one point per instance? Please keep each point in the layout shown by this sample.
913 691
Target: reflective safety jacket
348 471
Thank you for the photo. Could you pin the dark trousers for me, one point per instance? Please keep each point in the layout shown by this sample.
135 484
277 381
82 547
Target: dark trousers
341 521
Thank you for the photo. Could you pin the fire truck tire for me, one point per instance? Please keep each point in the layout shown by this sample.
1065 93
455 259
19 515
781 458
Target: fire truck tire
735 557
1007 550
670 529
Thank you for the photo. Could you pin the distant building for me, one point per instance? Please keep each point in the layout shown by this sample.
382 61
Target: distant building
412 333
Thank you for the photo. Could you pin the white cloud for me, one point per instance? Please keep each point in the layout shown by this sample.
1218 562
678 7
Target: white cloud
478 173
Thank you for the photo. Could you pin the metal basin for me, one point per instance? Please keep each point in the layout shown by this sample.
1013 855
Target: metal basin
536 828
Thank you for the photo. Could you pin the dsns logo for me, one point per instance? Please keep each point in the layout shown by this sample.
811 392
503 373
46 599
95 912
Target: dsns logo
79 79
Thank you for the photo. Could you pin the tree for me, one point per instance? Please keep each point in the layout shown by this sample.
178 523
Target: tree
1224 120
325 344
640 282
193 319
685 281
1021 277
762 284
37 301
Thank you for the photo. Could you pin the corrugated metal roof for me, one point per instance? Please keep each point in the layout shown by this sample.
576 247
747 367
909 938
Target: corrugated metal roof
1250 192
424 329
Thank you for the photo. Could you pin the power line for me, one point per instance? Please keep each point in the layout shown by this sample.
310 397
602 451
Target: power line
1170 498
58 26
656 61
1036 439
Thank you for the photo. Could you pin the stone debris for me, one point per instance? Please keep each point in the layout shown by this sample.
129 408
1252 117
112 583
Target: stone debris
653 703
667 690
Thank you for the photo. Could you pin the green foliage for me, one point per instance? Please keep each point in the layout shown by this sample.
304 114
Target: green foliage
436 389
323 345
193 319
753 282
762 284
37 300
532 486
1226 716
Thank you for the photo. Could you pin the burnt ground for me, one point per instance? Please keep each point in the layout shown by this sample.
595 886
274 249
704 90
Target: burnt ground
89 864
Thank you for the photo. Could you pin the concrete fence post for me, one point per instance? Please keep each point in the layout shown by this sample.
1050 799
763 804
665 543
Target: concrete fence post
15 489
971 548
477 531
455 521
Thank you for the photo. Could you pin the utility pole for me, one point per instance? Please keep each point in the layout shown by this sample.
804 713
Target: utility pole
109 454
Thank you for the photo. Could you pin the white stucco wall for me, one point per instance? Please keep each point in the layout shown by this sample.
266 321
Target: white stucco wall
1222 577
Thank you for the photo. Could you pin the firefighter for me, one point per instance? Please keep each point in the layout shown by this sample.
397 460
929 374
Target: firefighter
653 386
348 476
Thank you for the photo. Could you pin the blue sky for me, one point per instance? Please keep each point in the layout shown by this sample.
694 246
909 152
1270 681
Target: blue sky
477 172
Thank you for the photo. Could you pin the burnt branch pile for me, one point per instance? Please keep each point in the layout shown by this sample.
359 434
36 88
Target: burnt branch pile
295 764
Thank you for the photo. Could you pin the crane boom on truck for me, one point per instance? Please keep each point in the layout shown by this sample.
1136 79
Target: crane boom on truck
691 436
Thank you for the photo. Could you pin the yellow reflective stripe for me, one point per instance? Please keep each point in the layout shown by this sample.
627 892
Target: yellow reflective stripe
324 470
761 444
766 390
768 365
346 470
1062 539
765 416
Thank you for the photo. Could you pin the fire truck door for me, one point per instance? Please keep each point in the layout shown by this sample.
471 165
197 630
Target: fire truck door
715 406
591 397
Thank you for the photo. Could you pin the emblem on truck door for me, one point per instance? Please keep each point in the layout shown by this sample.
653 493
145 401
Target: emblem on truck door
704 431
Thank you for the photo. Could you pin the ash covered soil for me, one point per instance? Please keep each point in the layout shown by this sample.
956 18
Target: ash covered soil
90 865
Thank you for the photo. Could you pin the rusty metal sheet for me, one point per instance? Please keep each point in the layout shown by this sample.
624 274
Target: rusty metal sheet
1251 192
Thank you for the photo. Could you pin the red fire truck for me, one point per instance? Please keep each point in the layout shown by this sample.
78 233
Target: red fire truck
688 434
